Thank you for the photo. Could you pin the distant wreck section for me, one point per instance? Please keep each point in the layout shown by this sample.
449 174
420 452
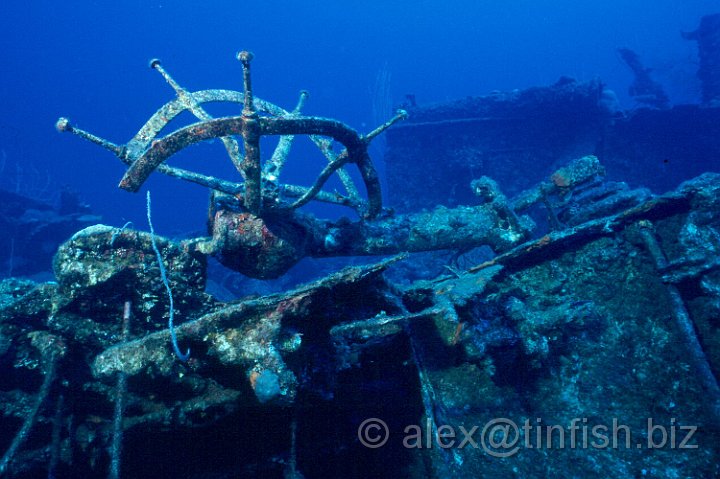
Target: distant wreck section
708 39
519 137
32 229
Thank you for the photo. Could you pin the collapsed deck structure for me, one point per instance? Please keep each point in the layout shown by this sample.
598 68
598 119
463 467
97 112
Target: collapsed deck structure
598 303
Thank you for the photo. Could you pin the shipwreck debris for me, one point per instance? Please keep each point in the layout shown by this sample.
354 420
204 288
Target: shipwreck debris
708 39
569 323
696 356
644 89
255 226
33 229
520 137
564 305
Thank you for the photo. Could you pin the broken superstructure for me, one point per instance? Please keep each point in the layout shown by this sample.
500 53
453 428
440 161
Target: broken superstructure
255 226
606 310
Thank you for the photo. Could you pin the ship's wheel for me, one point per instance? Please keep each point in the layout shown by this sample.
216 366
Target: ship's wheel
261 190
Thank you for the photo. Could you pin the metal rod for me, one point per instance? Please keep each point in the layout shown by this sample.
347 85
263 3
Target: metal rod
250 130
63 125
188 101
685 327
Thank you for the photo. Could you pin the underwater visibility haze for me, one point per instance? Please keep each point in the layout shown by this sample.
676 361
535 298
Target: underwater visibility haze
421 239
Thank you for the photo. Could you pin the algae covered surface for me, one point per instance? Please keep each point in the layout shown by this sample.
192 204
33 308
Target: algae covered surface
524 284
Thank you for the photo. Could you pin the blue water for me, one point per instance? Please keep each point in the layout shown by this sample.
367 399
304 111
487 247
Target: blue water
88 61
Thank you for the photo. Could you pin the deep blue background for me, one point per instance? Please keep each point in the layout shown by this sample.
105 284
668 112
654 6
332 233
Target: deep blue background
88 61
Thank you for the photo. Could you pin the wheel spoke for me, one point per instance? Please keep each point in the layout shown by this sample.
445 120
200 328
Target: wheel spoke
261 187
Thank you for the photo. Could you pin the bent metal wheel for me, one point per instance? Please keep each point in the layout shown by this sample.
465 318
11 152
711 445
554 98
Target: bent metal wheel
260 191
